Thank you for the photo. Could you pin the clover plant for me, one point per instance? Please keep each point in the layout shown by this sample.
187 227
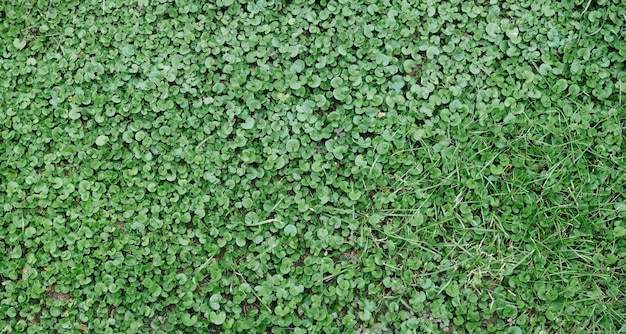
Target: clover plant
295 166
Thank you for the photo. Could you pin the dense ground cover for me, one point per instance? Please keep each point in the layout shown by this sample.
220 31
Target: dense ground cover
312 166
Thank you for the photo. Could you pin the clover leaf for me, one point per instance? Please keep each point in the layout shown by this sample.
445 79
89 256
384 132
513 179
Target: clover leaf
102 140
19 43
290 230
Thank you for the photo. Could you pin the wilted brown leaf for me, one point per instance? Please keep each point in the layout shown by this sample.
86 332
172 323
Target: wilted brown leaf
52 294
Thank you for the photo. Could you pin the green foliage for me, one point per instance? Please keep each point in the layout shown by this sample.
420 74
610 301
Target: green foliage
312 166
